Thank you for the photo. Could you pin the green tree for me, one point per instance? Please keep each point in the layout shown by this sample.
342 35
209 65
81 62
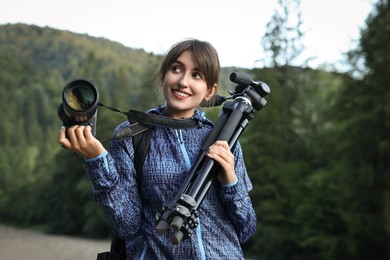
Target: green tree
274 145
362 151
284 150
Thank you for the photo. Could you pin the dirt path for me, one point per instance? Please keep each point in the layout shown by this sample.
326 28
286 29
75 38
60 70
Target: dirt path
20 244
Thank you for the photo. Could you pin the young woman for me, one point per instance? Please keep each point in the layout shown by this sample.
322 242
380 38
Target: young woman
188 75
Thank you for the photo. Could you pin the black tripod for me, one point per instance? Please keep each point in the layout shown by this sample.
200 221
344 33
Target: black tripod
181 214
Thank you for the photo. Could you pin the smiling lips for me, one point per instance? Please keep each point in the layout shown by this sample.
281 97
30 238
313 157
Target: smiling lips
180 94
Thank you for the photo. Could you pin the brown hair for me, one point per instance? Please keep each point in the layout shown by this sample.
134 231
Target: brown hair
204 54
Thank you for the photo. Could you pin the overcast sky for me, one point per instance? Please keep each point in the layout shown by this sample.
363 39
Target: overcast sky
235 28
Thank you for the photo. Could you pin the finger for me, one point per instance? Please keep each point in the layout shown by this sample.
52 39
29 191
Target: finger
61 133
218 158
88 132
221 148
221 154
64 141
86 137
80 135
71 134
222 143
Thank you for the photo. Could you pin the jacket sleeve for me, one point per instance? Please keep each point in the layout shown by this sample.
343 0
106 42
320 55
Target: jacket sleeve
237 202
115 187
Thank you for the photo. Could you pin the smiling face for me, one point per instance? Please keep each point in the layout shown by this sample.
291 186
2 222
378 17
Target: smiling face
184 87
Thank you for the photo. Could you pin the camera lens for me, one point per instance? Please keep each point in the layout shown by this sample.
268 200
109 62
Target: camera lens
80 97
80 100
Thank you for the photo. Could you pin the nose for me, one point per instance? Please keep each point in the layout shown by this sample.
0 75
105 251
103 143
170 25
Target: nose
184 80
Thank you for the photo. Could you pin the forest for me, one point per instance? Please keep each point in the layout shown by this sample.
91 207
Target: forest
318 153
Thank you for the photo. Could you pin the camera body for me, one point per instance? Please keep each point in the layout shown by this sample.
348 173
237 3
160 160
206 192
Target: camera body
80 100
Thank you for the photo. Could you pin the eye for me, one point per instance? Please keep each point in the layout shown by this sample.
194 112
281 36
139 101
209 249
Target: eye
176 68
197 75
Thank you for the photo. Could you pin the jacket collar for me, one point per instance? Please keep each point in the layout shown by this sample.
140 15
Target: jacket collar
198 115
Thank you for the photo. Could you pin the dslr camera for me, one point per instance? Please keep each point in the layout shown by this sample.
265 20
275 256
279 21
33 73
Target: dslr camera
80 100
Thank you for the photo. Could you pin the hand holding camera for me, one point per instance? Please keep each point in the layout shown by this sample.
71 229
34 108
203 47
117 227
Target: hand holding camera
78 113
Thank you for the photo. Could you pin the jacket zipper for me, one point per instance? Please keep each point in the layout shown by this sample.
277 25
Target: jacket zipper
179 134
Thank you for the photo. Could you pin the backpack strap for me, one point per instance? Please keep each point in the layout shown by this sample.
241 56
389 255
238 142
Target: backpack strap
141 144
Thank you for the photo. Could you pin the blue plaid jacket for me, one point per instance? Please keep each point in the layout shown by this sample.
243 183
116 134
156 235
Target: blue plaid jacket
227 217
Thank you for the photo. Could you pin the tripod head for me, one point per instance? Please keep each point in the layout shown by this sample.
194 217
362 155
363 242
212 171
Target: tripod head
246 88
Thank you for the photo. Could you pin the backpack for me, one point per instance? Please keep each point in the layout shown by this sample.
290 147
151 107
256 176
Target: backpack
141 143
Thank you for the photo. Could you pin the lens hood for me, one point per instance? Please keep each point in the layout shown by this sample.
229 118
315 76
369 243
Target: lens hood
80 100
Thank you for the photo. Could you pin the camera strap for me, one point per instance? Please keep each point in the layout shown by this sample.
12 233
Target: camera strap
142 121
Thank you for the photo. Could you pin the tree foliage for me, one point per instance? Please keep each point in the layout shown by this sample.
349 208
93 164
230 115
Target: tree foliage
321 163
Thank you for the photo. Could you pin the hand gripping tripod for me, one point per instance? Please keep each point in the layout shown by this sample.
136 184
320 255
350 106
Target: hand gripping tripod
181 214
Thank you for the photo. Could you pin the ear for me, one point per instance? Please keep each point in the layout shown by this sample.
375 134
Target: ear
211 92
